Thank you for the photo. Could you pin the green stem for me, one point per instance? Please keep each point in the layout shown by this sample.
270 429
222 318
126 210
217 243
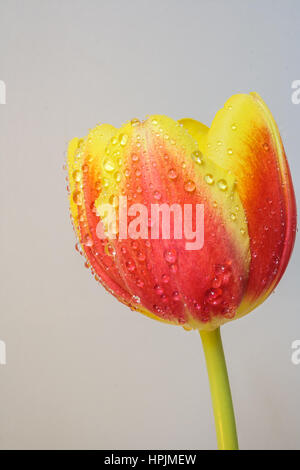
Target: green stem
220 390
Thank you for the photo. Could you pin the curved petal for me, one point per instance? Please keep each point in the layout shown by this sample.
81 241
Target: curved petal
245 140
197 130
85 157
158 162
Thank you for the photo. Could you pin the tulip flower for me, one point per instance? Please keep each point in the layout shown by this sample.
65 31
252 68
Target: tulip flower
202 221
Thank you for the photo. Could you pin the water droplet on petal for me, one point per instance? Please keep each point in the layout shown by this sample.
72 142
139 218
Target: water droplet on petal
140 256
174 268
123 139
108 165
135 122
158 289
117 176
176 295
77 198
77 176
217 282
87 240
140 283
98 185
214 296
172 174
130 266
170 255
222 185
190 186
197 157
209 179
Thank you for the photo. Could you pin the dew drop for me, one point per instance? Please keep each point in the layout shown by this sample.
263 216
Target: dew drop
87 240
108 165
190 186
77 198
130 266
197 157
78 248
217 282
117 176
105 183
98 185
209 179
174 268
214 296
172 174
140 283
114 201
222 185
77 176
140 256
123 139
158 289
176 295
109 250
170 255
135 122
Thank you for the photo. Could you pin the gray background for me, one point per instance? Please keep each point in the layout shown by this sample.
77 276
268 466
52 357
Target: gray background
83 371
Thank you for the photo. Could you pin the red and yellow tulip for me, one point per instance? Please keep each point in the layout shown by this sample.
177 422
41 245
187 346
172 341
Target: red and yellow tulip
236 168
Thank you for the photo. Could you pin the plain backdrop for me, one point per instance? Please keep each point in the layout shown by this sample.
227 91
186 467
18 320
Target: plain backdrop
83 371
